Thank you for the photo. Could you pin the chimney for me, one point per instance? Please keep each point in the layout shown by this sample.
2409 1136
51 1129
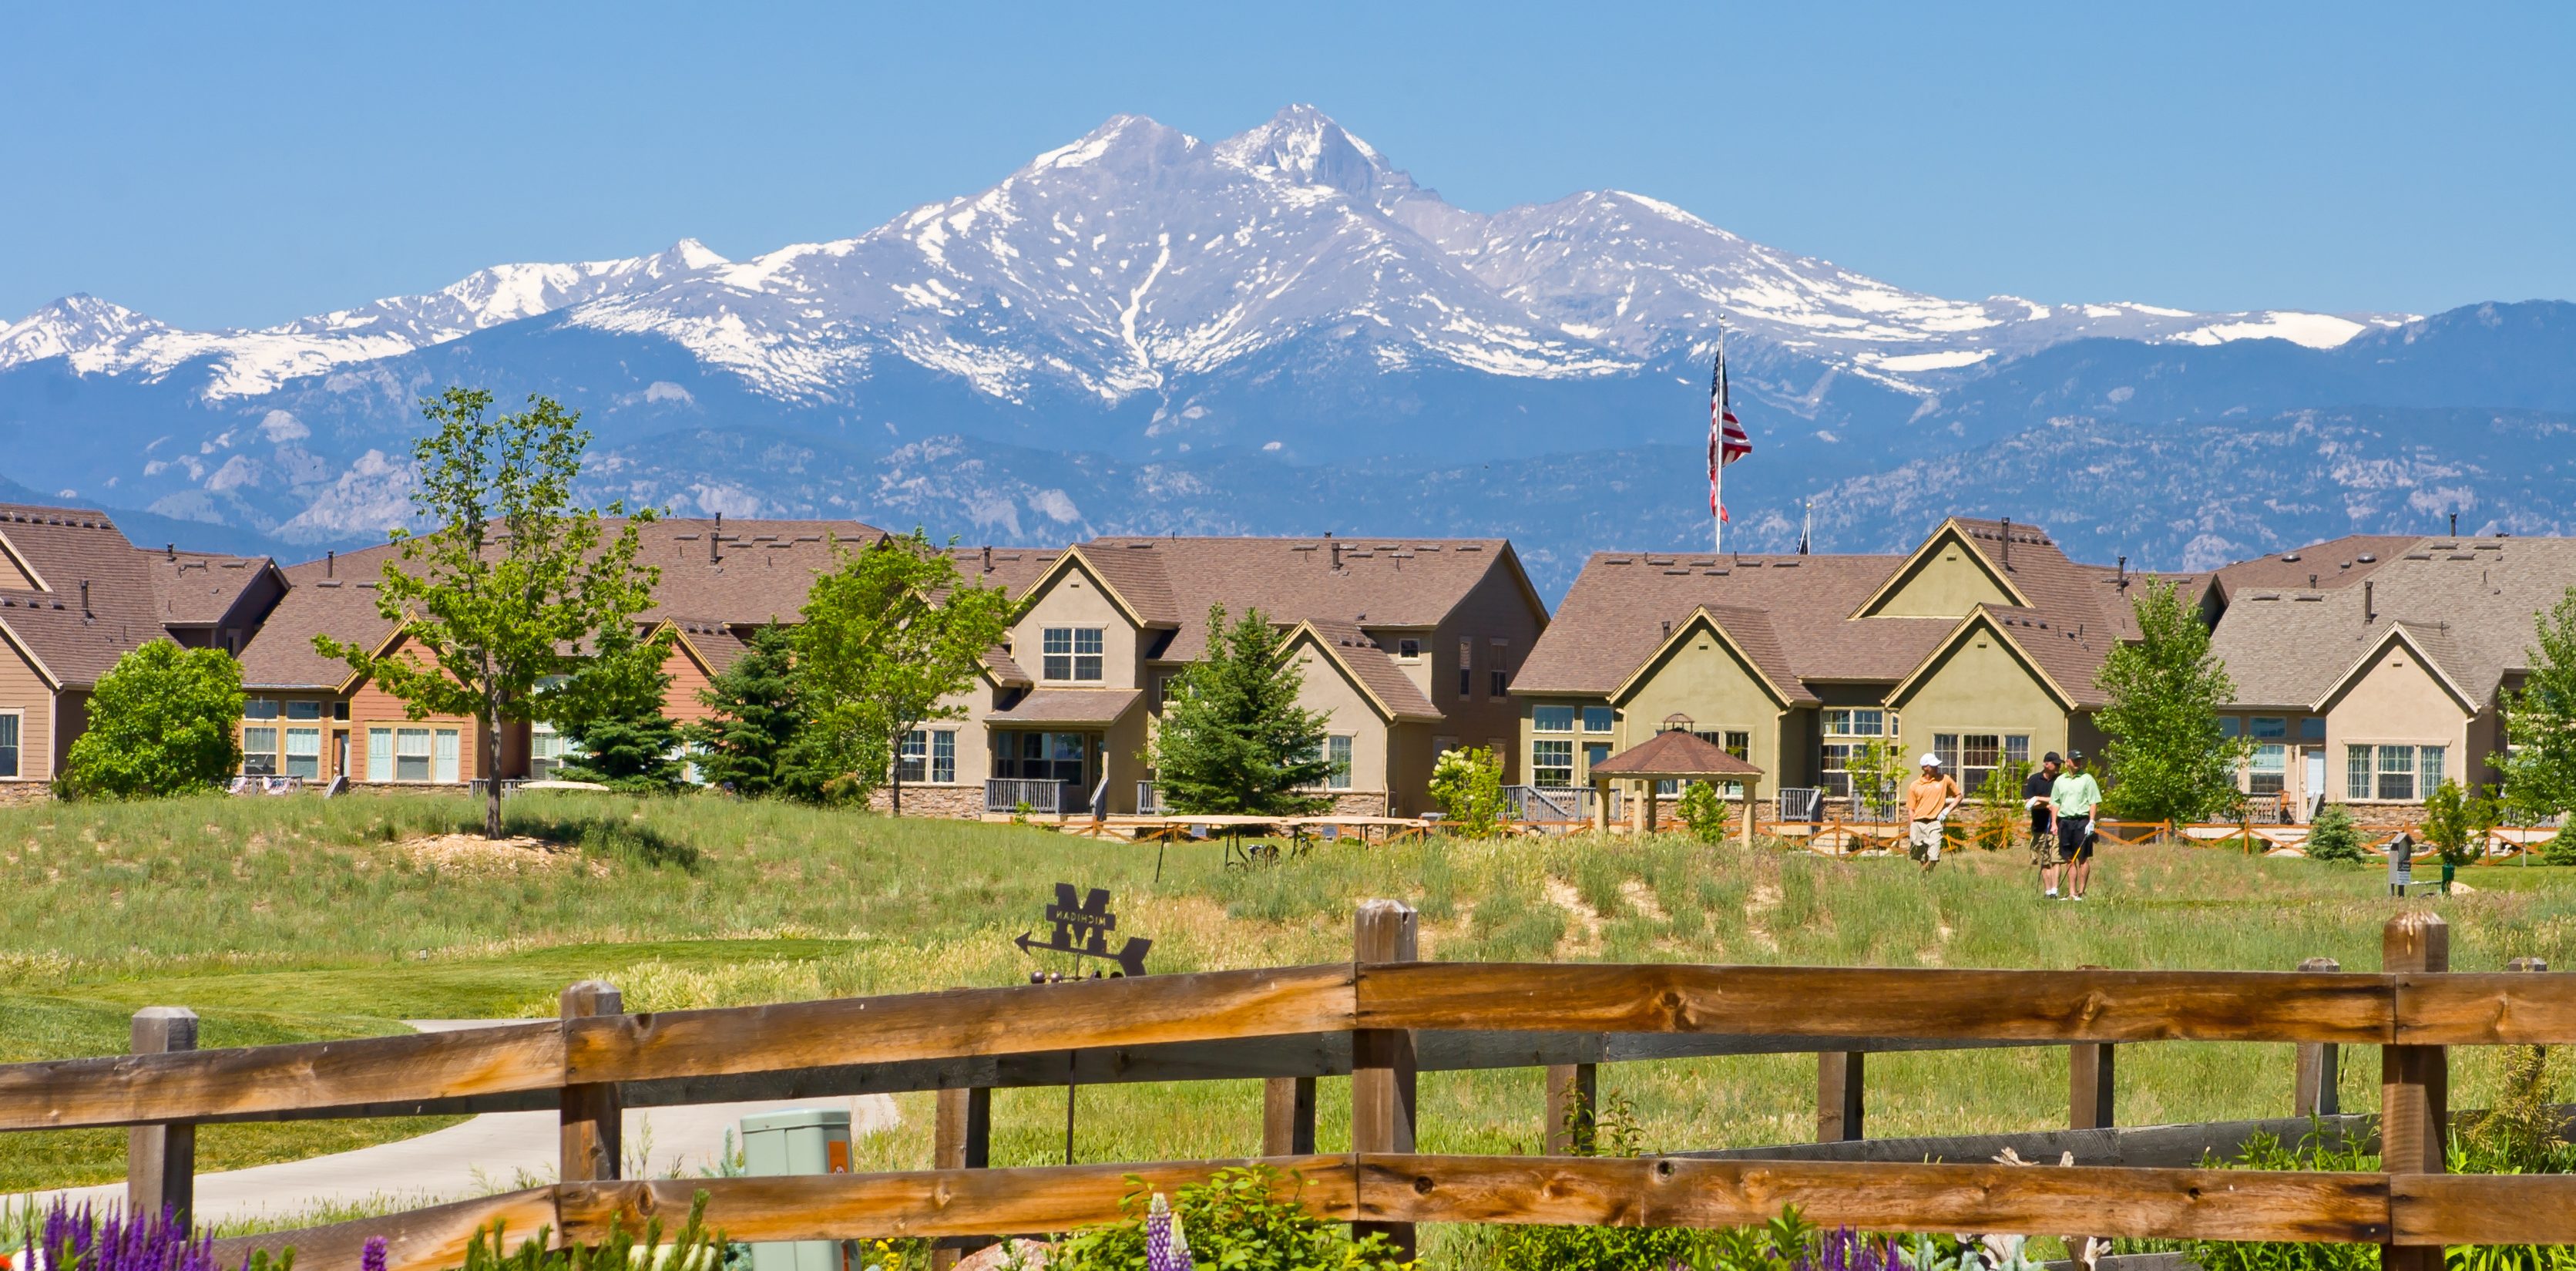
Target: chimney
2312 582
1337 554
2455 525
2007 542
85 598
1668 628
173 550
715 540
988 558
2124 573
2369 602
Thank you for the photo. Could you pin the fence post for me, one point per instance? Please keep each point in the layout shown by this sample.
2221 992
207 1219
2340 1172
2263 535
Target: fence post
961 1137
2320 1069
1382 1090
2414 1081
161 1160
1838 1095
1573 1094
1287 1116
2089 1085
590 1113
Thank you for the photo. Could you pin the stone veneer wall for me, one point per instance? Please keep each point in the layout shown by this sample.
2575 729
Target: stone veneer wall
21 794
1354 803
964 802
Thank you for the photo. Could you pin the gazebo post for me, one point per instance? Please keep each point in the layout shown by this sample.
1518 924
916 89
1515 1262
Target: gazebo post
1654 803
1601 805
1637 809
1752 800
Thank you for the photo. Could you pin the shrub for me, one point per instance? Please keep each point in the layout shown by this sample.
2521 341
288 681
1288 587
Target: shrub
1245 1217
160 723
2266 1152
1705 812
2561 847
1469 786
2333 836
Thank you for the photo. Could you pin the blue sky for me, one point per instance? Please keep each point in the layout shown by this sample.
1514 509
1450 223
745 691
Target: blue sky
239 165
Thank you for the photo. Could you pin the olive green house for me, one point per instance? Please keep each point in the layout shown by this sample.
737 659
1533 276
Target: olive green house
1980 646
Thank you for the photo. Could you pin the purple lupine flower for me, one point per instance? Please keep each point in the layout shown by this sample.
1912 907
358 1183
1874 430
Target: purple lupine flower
371 1256
1166 1249
118 1242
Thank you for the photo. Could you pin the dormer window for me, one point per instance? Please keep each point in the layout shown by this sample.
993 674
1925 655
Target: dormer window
1409 649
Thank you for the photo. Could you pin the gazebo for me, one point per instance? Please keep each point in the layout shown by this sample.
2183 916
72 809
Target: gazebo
1673 755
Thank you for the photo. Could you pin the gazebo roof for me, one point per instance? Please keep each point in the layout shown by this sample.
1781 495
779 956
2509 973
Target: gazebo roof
1674 755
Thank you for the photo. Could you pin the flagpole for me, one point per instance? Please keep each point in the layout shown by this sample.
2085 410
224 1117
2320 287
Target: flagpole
1717 516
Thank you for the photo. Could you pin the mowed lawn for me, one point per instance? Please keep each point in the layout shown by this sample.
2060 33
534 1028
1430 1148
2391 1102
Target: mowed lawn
288 918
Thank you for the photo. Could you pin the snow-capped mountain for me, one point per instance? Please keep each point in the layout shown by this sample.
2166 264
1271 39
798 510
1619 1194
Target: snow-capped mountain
1147 297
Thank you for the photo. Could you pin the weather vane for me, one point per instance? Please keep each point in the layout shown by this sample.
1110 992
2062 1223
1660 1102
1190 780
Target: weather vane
1082 931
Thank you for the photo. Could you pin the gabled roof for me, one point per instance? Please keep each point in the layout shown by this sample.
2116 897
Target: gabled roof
1387 687
95 600
2336 562
1967 534
206 589
1745 632
2066 669
2433 648
1090 707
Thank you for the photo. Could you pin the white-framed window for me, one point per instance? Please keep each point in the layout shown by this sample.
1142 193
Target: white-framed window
1337 752
1971 756
1552 719
1408 649
1466 668
260 708
1164 684
412 754
304 750
9 724
1070 653
2267 770
549 751
929 755
1552 763
1599 719
259 750
1847 730
1498 659
2392 773
444 755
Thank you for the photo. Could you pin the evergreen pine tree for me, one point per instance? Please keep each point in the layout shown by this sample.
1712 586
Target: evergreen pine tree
757 714
2167 758
613 715
2333 836
1233 739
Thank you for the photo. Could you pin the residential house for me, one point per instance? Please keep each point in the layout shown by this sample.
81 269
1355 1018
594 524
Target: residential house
2372 692
75 596
1980 646
309 717
1407 646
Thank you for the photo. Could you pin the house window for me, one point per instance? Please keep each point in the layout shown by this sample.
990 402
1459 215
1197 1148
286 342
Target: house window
9 744
260 708
303 710
1408 649
548 751
259 751
443 765
1593 753
2267 728
411 754
1847 732
1070 653
928 755
943 756
340 711
1552 763
2312 729
1552 719
2266 773
1855 721
1499 680
2230 726
304 750
2393 773
1337 752
1466 669
1972 756
1163 687
1599 719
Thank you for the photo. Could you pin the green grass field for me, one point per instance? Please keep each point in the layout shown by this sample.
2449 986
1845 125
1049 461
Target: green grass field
286 918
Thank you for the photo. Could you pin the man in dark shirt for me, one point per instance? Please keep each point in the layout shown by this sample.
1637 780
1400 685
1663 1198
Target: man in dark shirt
2043 823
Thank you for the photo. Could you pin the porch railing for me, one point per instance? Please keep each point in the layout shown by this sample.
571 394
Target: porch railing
1148 803
1543 804
1010 794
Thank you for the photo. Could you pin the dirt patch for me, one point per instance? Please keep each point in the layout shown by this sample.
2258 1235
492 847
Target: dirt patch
1764 898
1583 940
1641 898
476 856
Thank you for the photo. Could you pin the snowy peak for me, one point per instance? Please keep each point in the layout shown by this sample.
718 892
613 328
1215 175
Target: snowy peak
1304 146
72 327
1123 140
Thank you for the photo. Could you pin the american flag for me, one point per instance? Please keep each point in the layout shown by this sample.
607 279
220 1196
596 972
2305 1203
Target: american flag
1727 441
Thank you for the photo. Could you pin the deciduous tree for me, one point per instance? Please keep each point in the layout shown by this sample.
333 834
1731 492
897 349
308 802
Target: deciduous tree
2540 720
2166 756
511 584
1233 739
160 723
888 638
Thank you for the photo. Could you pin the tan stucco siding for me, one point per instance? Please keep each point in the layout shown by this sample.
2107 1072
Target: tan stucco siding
1346 712
2395 701
1703 678
1950 583
23 692
1979 685
1076 599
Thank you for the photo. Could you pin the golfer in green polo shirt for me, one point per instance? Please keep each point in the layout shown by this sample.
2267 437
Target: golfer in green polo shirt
2072 801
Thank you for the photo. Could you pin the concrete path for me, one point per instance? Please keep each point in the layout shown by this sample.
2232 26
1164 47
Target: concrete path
499 1151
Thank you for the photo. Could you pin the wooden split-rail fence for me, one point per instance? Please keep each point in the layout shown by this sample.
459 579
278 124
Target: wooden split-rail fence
1382 1018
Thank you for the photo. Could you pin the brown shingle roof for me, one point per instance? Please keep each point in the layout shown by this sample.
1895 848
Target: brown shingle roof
1013 569
1677 754
1375 670
201 588
65 548
2470 604
1092 706
1371 584
2336 562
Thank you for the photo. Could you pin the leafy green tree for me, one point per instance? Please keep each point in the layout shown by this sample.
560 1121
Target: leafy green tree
1705 812
2457 821
2539 765
888 639
1233 739
1999 812
2333 836
1878 769
1468 785
758 712
2166 756
511 586
160 723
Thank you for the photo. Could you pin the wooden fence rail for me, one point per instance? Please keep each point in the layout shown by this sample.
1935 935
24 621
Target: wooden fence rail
1383 1018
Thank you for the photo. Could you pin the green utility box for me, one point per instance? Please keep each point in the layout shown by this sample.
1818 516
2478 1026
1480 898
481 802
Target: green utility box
798 1141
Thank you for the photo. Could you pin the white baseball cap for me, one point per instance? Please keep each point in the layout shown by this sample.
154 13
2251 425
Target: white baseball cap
1928 761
